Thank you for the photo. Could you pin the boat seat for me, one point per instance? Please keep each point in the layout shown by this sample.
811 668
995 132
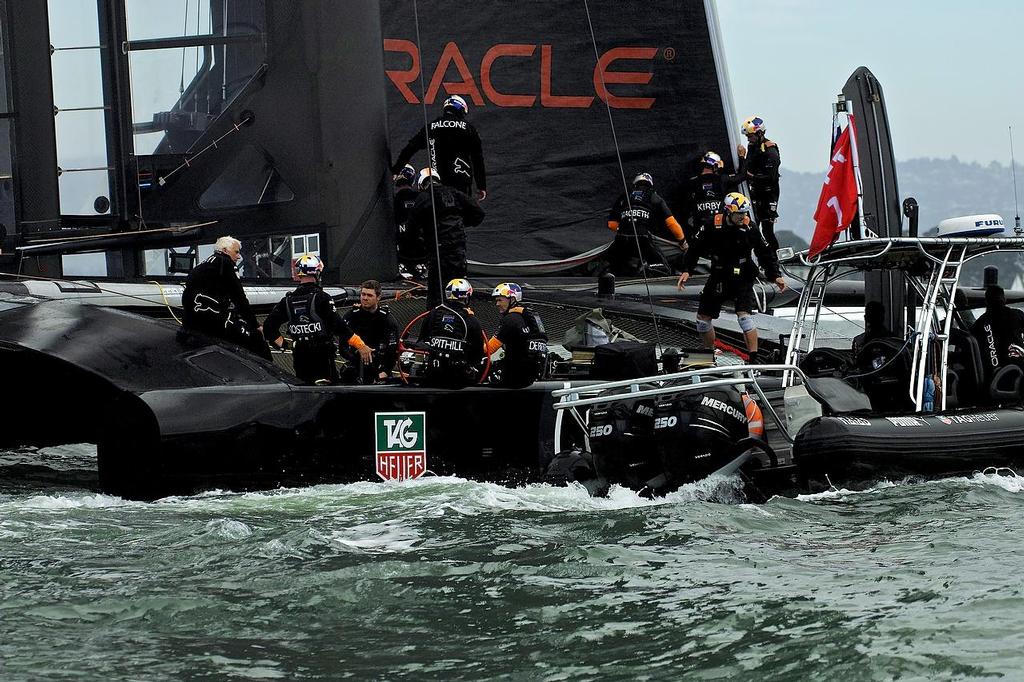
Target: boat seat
827 362
965 375
883 373
1006 385
837 396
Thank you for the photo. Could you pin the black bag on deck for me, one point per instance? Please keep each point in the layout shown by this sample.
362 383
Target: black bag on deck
624 360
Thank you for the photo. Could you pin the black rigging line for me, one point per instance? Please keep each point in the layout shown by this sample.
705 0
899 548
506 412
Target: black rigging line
430 156
622 173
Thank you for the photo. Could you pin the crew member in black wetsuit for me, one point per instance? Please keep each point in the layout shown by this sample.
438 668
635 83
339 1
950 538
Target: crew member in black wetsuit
728 243
706 191
214 302
633 218
412 255
999 331
762 171
453 149
454 211
522 336
377 327
454 338
313 324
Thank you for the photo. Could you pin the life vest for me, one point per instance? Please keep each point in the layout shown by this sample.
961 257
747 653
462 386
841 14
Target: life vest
448 334
536 338
304 324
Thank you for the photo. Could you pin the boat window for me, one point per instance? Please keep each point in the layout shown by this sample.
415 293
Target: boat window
188 61
267 258
6 174
306 243
84 265
6 179
83 169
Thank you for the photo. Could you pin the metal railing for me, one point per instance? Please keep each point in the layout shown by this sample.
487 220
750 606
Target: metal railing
738 375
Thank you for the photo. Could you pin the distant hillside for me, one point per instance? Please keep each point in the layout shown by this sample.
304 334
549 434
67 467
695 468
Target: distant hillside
944 188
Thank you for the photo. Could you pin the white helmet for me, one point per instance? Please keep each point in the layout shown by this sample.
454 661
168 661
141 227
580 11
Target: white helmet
643 177
457 103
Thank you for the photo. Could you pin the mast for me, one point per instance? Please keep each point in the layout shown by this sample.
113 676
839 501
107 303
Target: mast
881 209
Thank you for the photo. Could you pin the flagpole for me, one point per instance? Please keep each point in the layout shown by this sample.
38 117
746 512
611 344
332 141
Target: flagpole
851 121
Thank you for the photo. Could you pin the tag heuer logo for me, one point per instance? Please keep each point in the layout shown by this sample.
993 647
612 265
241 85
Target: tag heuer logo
401 444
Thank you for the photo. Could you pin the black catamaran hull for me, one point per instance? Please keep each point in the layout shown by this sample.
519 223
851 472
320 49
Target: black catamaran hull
175 413
258 437
848 450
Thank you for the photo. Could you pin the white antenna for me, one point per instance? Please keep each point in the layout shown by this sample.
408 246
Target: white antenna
1016 208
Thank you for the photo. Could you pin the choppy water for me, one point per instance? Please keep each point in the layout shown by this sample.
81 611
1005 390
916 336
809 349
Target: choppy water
449 579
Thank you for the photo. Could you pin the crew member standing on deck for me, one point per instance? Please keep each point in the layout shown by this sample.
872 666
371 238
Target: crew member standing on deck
728 243
522 336
706 190
377 327
412 255
445 241
214 302
762 174
633 218
313 324
454 338
453 149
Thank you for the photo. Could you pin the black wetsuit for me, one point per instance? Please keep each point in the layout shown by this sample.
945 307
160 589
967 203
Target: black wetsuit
379 331
411 251
455 339
313 323
214 303
525 342
456 145
733 271
996 330
704 194
762 166
634 221
455 211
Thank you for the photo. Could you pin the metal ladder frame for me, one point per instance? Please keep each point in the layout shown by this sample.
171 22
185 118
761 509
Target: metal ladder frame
939 297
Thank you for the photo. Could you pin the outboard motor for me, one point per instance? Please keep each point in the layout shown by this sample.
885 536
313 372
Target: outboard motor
622 440
698 433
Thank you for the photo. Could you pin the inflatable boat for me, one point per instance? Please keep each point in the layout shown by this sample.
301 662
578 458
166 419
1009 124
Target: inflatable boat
919 404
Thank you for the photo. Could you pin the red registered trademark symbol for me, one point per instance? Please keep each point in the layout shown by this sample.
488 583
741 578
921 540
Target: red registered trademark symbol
669 53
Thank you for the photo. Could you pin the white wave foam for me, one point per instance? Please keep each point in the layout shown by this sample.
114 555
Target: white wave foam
1004 478
376 538
57 502
229 528
842 493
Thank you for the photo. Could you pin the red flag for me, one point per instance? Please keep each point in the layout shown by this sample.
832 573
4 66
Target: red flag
838 201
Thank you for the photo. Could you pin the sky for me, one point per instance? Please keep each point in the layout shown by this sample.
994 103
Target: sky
952 72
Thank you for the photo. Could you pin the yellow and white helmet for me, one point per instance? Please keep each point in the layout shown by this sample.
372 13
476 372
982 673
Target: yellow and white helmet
735 202
309 265
458 289
511 290
753 125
